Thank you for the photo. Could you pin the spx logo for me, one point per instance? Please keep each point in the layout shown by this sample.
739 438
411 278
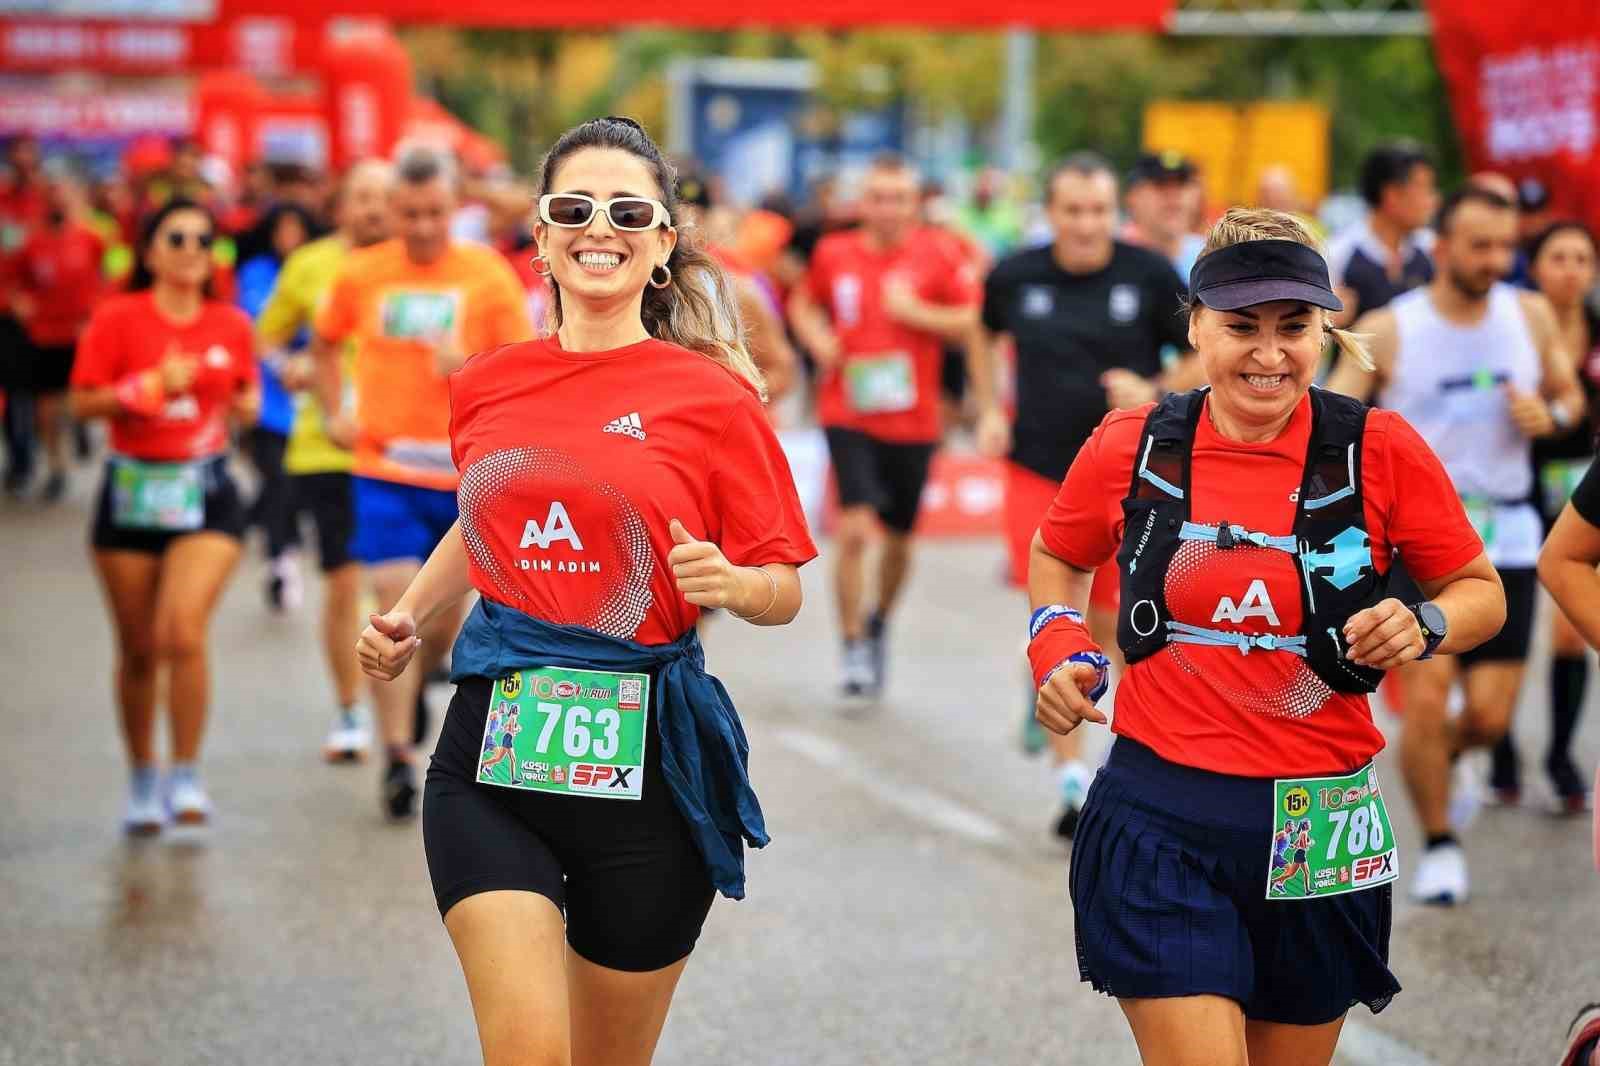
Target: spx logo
1343 561
1375 867
557 527
1256 604
595 777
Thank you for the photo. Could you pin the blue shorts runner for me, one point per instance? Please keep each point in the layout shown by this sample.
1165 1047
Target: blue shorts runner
1168 866
395 521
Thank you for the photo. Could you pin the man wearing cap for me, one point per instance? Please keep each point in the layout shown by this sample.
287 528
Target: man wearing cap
1163 201
1094 324
1477 367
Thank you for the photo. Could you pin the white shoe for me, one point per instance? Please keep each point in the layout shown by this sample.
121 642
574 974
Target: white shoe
145 816
350 738
1441 876
860 674
1466 794
188 802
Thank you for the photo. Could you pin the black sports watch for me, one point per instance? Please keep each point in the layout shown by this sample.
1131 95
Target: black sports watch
1434 626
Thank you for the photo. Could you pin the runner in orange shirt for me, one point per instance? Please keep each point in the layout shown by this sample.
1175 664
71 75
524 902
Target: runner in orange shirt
414 308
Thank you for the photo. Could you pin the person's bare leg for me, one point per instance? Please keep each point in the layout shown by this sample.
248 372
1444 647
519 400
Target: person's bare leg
341 626
51 413
617 1016
1491 691
894 566
1427 741
1188 1031
512 947
193 573
1276 1044
849 568
395 702
130 580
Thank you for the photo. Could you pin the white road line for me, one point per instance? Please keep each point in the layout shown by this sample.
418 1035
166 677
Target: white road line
1362 1045
912 800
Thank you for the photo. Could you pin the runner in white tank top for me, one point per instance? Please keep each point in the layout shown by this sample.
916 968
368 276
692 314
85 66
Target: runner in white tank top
1476 366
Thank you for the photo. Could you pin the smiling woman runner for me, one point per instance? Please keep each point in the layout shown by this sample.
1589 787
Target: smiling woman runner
1256 521
616 478
167 366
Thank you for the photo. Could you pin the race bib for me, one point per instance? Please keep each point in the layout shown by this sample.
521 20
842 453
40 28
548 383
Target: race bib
428 455
1559 480
419 315
1330 835
881 384
168 497
576 732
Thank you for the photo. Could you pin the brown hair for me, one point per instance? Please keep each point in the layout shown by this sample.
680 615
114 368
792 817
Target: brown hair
697 310
1242 224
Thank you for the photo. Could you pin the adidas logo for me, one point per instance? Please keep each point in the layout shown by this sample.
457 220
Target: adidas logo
628 424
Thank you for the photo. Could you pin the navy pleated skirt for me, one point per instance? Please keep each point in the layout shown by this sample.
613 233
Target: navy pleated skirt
1168 881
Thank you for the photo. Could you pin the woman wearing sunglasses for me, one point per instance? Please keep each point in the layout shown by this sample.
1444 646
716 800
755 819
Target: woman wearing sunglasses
616 478
168 367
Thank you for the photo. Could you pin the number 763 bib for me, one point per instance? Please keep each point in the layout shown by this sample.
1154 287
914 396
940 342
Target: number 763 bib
576 732
1330 835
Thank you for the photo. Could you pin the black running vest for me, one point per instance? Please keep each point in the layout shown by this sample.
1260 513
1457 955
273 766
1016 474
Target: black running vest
1330 527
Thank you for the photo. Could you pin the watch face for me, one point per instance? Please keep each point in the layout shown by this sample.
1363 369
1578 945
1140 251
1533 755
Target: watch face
1432 619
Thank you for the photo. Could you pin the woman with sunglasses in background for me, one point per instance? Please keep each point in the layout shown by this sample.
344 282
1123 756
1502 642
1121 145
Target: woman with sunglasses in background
616 478
168 367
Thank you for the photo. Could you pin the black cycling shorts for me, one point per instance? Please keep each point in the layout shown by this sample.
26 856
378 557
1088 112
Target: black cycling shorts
330 501
629 878
224 513
1515 638
884 475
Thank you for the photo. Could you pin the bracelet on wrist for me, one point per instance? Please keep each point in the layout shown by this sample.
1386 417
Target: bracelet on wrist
764 572
1043 616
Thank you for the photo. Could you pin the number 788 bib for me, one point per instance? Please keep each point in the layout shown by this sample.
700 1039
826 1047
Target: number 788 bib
1330 835
576 732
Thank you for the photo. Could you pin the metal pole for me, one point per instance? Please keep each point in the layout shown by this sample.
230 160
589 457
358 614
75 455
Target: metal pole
1016 126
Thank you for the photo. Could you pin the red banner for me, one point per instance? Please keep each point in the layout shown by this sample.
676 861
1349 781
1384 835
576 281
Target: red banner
267 45
1525 83
713 14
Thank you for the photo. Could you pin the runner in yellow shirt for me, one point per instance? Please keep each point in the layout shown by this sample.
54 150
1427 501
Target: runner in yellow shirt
319 470
414 309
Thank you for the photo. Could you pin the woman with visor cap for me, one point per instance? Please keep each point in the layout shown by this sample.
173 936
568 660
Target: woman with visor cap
1253 522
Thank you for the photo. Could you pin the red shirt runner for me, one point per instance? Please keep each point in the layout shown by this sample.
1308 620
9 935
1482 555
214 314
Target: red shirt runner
129 334
59 270
887 384
573 466
1264 714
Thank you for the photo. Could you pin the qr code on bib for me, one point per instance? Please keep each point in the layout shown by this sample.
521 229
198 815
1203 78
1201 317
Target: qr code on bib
630 694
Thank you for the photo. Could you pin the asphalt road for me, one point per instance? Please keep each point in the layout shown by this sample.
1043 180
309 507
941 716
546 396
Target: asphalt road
911 909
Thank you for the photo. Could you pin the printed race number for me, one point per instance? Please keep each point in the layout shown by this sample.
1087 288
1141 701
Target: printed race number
578 732
1330 835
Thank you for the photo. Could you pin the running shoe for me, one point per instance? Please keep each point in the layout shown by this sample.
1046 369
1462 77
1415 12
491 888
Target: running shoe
188 802
400 791
1572 791
422 717
1074 790
285 589
1441 876
858 672
878 645
1582 1035
350 737
145 815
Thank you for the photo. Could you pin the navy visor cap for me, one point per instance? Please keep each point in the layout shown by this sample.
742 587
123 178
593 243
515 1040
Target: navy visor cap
1258 272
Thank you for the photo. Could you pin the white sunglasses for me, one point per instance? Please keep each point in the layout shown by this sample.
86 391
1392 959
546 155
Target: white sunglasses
572 210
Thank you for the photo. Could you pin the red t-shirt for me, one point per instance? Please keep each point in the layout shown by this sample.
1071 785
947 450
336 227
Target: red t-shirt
887 383
60 270
573 466
1265 714
128 333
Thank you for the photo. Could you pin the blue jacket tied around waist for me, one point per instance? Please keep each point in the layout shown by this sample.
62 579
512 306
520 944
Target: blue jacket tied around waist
704 753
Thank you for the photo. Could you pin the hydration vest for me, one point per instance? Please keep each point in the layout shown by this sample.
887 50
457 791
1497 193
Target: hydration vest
1331 549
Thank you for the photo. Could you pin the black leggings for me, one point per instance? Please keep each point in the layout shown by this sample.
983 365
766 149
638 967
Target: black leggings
627 874
273 507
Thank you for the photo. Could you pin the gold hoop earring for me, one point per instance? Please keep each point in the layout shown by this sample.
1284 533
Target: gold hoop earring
534 263
654 284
